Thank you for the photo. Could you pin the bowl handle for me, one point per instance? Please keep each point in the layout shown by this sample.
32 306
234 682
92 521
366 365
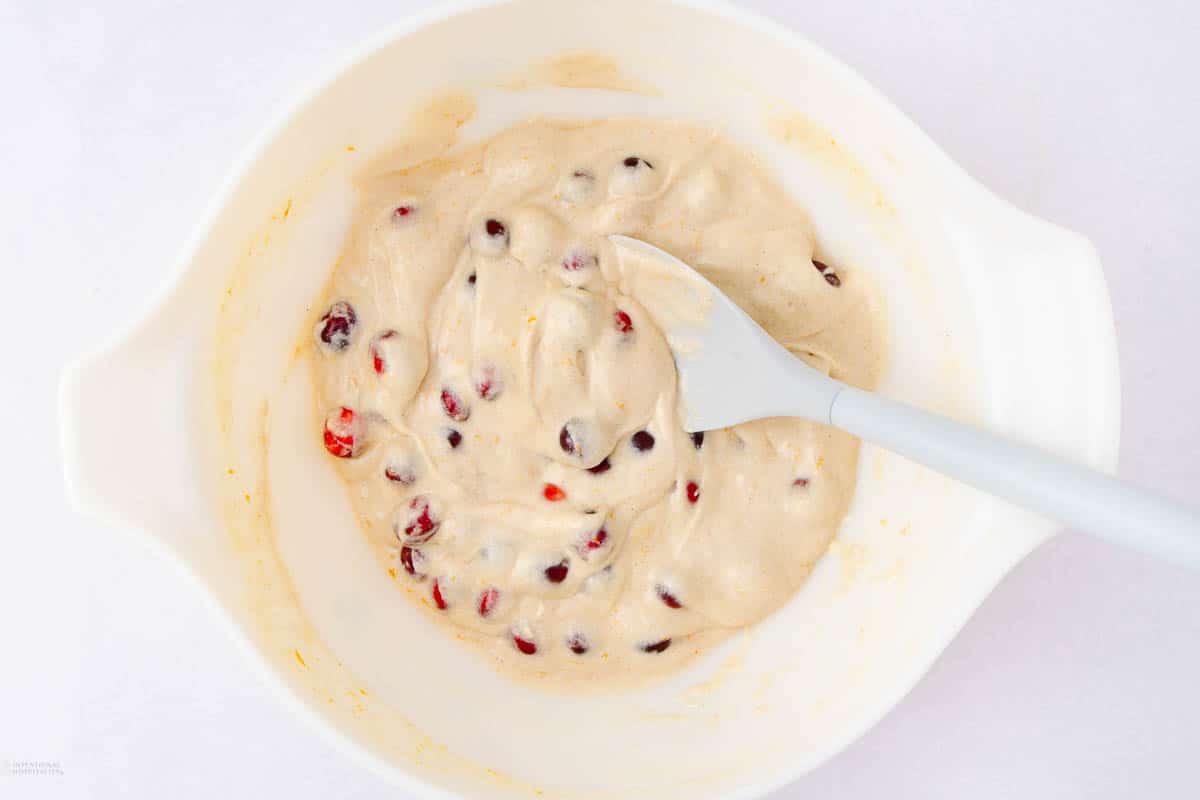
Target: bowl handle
128 432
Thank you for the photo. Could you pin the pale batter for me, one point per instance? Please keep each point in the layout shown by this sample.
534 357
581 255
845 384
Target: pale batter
506 419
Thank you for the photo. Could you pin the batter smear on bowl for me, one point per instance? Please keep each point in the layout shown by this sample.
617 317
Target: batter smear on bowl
503 409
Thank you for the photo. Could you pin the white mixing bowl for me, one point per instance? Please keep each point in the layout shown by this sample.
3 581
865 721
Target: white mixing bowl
995 317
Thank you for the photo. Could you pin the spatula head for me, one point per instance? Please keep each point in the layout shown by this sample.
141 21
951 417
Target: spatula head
730 369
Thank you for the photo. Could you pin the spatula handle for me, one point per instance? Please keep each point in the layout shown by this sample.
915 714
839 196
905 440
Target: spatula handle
1078 497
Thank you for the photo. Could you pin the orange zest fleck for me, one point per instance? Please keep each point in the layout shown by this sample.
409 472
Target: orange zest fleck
299 658
392 571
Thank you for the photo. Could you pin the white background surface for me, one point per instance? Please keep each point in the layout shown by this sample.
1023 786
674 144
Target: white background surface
1077 678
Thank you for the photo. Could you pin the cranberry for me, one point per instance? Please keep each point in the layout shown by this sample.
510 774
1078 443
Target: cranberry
337 326
565 440
577 643
693 491
495 228
590 545
488 599
576 260
601 468
471 279
669 599
623 322
698 439
421 524
557 573
633 162
832 279
403 211
643 441
488 387
579 173
437 595
821 267
412 559
656 647
801 483
397 473
343 433
378 358
454 438
553 493
454 407
526 646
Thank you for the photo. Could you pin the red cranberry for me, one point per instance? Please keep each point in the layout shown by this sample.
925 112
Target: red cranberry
832 279
421 524
337 326
403 475
488 387
412 560
656 647
577 643
576 260
693 492
819 265
495 228
623 322
488 599
643 441
670 600
526 646
633 162
601 468
378 359
437 595
698 439
453 438
557 573
403 211
553 493
454 407
589 545
343 433
801 483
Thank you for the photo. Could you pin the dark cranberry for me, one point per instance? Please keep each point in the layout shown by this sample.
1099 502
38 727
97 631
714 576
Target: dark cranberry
403 211
411 559
437 596
656 647
471 279
577 643
488 599
820 266
557 573
553 493
454 438
601 468
343 432
337 326
565 441
633 162
454 407
623 322
698 439
693 492
670 600
579 173
832 279
643 441
400 474
495 228
421 524
526 646
378 358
